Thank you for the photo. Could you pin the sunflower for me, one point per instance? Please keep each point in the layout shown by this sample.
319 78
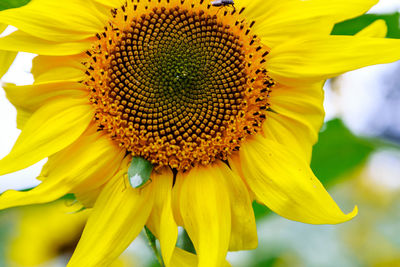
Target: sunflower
224 102
44 235
44 232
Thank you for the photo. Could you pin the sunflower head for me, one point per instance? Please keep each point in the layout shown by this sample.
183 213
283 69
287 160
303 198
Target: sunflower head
179 84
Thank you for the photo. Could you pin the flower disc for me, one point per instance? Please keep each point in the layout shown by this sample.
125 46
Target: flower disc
178 84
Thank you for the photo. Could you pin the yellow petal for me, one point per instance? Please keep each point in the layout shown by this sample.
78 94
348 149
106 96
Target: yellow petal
326 57
82 167
50 129
28 98
182 258
336 10
205 210
176 195
43 230
3 27
236 166
244 231
23 117
298 118
341 10
376 29
291 133
43 65
60 74
280 21
161 220
6 57
20 41
86 164
47 191
118 216
111 3
31 97
62 20
54 77
285 183
88 197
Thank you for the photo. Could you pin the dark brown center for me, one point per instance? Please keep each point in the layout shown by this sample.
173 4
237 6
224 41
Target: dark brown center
177 85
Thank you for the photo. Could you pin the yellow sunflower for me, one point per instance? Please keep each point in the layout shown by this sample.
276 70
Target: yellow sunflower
225 102
44 232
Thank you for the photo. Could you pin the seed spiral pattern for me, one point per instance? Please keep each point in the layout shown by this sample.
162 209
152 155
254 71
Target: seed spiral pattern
177 85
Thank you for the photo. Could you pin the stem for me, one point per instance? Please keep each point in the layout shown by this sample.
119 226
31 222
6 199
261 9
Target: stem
152 242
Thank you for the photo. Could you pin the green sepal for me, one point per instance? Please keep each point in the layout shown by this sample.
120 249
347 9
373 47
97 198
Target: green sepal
139 172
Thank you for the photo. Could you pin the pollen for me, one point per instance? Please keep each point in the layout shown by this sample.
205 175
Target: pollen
178 83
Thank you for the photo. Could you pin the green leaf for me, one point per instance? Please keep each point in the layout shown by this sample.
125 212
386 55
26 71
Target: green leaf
338 152
139 172
351 27
185 243
263 260
260 210
7 4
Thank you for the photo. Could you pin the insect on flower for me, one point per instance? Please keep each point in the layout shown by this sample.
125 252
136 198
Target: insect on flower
223 3
139 172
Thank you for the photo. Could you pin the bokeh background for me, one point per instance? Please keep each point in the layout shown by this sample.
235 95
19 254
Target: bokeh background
357 158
